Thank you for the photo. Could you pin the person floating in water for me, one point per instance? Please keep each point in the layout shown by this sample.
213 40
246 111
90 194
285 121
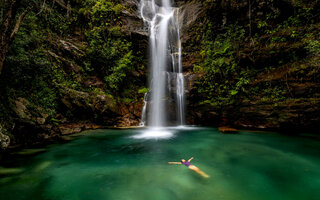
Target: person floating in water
192 167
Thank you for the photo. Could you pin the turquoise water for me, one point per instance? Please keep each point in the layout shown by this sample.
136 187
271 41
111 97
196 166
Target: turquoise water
112 165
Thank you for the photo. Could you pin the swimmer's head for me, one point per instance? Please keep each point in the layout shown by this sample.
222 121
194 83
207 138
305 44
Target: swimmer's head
183 160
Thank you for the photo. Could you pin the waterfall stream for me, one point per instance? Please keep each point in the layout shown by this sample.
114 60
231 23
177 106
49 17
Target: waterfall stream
165 101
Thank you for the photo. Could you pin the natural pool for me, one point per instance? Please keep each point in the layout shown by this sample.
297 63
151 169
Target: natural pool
114 165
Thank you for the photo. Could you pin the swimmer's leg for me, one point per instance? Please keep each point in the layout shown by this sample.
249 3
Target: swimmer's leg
196 169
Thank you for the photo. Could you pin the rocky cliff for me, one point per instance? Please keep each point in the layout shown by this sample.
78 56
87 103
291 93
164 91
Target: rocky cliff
73 66
266 67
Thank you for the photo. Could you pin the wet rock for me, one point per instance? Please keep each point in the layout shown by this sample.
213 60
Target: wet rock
93 81
188 14
20 108
83 103
29 113
29 132
290 115
190 80
67 129
68 65
41 120
130 114
100 108
72 128
132 21
4 138
71 47
226 129
92 126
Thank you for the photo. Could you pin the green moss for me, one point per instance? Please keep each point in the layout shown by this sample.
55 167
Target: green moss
143 90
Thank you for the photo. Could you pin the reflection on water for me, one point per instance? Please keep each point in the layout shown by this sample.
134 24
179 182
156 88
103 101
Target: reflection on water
111 164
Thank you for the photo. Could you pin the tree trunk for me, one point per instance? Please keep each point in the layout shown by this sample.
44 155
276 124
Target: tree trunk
2 57
5 30
9 28
18 23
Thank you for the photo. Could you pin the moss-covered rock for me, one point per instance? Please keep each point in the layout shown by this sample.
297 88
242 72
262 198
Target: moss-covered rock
4 138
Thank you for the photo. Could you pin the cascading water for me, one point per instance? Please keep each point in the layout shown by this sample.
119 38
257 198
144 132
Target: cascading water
144 110
166 92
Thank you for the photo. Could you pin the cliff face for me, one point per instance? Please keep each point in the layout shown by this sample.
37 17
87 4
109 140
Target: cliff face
261 59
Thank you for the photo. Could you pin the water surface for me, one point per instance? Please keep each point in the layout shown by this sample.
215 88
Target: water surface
114 165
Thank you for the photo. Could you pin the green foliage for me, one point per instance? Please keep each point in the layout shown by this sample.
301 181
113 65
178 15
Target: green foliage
197 69
270 93
108 50
27 68
127 100
313 47
143 90
312 41
55 121
116 78
223 78
242 51
103 10
36 69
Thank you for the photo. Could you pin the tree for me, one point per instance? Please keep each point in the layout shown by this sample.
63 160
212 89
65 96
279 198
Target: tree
13 14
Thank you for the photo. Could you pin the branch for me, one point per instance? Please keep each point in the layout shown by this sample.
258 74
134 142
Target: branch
42 8
62 4
18 23
9 16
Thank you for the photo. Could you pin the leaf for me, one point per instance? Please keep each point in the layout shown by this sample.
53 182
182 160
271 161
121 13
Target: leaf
233 92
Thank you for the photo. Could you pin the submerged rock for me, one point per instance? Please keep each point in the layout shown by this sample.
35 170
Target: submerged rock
42 166
8 171
30 151
226 129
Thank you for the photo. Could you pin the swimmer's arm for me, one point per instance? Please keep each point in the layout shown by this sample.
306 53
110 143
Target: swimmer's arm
190 159
176 163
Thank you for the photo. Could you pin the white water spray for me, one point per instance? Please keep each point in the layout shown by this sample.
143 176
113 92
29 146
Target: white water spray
166 77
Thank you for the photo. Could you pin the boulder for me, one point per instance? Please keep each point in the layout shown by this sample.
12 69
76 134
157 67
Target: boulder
20 108
226 129
101 108
29 113
71 129
4 138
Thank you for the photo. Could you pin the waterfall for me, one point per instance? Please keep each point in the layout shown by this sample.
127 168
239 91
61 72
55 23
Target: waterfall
144 110
166 82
